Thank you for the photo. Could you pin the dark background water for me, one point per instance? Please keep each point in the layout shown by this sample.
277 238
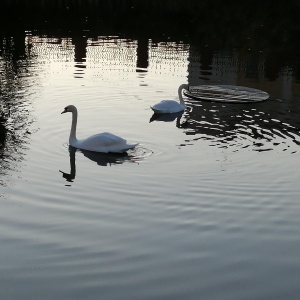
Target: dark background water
259 25
262 27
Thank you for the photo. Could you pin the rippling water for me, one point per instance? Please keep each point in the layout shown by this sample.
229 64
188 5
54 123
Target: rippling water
207 206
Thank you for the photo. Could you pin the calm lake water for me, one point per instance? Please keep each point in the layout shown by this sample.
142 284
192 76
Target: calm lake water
206 207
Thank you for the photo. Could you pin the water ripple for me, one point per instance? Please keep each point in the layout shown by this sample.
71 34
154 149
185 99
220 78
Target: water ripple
236 126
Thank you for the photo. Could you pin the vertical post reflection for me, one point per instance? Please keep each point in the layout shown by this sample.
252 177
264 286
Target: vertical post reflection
142 55
80 43
200 65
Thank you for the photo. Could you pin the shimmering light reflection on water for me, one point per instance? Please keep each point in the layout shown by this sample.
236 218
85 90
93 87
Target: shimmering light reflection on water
206 206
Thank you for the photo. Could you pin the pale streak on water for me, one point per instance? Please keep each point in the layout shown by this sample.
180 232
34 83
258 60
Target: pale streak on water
207 206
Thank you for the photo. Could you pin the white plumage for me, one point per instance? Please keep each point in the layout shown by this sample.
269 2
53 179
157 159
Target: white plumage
171 106
101 142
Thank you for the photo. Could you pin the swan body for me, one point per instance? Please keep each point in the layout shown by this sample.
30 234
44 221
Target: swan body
102 142
171 106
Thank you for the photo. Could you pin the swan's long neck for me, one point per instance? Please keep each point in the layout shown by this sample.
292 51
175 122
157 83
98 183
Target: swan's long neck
73 127
180 89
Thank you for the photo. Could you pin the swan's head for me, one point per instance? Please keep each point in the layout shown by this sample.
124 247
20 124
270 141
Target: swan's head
69 108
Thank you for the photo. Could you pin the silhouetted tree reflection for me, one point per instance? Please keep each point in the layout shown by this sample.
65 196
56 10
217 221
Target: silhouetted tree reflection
256 24
15 117
210 26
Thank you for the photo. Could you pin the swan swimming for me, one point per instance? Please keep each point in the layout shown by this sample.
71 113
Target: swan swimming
102 142
171 106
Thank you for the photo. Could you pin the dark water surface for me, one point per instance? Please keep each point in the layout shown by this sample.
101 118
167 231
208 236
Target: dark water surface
207 205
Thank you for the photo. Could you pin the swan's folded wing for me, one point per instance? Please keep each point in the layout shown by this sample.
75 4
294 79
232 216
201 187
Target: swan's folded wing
164 104
167 106
104 139
105 142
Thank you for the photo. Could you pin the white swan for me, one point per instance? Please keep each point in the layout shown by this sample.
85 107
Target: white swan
101 142
171 106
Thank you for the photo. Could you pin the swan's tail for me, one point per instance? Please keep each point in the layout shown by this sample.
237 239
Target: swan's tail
130 146
123 149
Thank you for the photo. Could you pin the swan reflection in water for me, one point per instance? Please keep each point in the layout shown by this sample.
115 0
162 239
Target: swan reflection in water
169 118
102 159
